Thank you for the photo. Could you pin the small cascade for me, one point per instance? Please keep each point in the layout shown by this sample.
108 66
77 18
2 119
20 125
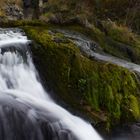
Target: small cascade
92 50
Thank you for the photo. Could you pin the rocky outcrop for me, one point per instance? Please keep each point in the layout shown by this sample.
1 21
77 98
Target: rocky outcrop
13 12
20 9
125 12
101 91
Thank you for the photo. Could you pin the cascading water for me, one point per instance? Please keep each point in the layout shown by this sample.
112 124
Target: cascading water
26 110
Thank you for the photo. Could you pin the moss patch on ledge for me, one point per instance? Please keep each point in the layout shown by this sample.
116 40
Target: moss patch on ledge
102 91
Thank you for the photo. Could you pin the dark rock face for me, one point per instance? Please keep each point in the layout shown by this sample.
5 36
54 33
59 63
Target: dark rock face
126 132
32 8
28 9
45 0
27 3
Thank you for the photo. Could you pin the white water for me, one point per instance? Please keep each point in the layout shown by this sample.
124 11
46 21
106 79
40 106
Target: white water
19 78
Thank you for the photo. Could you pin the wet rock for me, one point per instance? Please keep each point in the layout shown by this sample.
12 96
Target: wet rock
60 40
126 132
94 46
51 32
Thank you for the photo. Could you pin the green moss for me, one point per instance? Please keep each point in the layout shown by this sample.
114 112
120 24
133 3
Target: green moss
134 106
98 89
130 105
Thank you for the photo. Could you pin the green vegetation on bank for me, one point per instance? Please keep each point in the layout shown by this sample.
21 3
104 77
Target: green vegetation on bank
125 12
101 90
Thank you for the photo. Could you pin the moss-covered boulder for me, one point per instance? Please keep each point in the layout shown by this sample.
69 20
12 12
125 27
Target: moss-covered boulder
104 92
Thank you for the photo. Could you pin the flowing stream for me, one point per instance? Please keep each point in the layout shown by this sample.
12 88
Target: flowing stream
27 112
89 47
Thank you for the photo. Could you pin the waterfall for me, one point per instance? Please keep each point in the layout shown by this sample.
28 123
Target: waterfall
27 112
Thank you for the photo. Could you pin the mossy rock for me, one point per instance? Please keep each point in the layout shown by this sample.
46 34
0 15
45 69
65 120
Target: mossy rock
114 39
130 108
98 90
